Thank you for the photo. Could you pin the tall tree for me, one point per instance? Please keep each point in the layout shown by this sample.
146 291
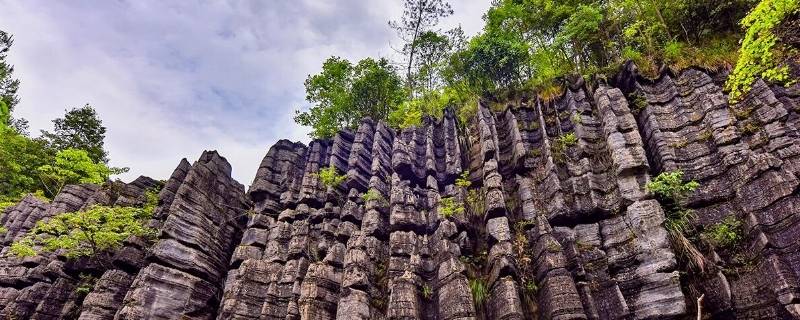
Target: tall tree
344 93
80 128
8 85
20 157
419 17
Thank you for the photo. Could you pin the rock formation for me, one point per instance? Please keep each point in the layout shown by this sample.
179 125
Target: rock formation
547 228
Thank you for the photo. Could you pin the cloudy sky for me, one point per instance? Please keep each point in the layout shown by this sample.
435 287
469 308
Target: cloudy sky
173 78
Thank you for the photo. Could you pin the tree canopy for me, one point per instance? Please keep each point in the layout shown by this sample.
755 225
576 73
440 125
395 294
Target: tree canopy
345 93
80 128
532 46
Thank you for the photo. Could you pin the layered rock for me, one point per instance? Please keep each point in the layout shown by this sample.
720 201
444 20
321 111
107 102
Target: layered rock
537 210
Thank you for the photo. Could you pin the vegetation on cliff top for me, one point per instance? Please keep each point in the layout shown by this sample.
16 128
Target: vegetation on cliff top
73 153
533 45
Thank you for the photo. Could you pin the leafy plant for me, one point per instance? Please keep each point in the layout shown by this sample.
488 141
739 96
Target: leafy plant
100 229
73 166
427 292
531 287
670 185
330 177
724 234
671 190
561 144
761 55
85 285
373 195
463 180
448 207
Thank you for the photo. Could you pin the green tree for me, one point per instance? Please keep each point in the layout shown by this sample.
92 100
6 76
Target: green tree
345 93
80 128
8 85
72 166
20 157
418 20
492 62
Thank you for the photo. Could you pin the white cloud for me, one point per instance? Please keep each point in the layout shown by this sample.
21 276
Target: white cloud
172 79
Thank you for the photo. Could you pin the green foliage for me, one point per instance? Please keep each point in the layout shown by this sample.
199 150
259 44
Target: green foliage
463 180
407 114
85 285
81 128
423 47
476 201
531 287
761 54
671 191
373 195
448 206
479 291
330 177
492 62
344 93
724 234
8 85
5 115
20 157
73 166
99 229
427 292
670 185
561 144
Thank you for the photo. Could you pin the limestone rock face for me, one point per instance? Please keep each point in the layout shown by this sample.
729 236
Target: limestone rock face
536 211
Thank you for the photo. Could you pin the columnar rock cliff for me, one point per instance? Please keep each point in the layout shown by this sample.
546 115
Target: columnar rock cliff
547 229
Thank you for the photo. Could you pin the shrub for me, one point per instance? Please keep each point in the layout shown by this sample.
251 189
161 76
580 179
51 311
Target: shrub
427 292
448 207
373 194
761 54
671 191
670 185
463 180
84 233
330 177
561 144
724 234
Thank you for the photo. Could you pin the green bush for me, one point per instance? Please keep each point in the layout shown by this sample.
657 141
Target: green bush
99 229
561 144
330 177
449 206
373 194
724 234
761 55
463 180
670 185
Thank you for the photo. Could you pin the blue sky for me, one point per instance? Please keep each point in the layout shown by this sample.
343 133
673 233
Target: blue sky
173 78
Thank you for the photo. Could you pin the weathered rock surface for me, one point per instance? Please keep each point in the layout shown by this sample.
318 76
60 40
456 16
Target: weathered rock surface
549 229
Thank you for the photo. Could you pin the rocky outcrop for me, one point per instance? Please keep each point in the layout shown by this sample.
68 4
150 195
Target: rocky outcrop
536 210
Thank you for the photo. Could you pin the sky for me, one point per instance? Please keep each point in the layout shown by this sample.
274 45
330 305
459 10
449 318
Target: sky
170 79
